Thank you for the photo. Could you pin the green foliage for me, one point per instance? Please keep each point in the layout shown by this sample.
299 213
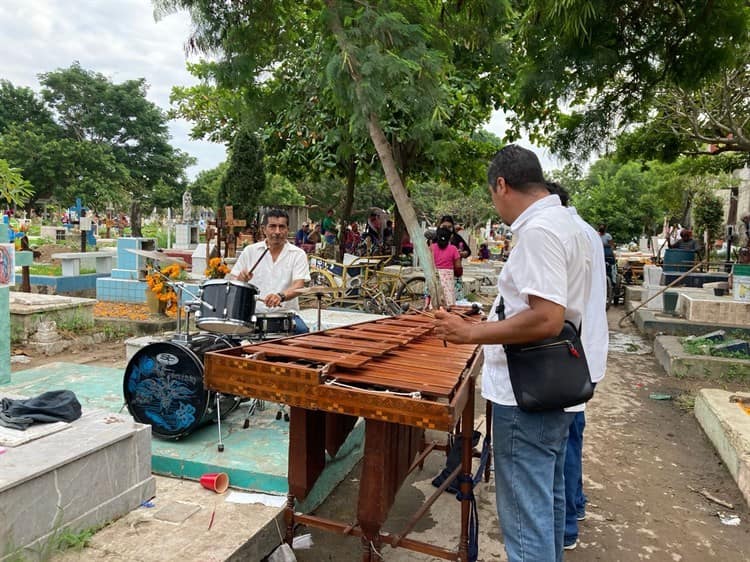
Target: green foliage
633 198
280 191
205 187
87 136
13 188
245 179
20 106
708 215
605 62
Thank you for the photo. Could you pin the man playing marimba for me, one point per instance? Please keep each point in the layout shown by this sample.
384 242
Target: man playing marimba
545 282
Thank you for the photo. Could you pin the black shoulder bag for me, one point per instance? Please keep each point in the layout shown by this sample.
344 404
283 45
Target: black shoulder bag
549 374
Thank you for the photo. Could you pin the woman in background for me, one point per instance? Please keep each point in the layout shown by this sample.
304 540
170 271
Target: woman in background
447 259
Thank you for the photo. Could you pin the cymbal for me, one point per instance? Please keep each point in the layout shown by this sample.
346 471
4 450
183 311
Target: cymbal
317 290
158 256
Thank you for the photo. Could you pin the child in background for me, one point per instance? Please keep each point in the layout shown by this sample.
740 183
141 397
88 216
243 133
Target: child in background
447 259
484 252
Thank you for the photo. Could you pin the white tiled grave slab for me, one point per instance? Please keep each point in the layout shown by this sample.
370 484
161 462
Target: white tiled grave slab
95 471
15 437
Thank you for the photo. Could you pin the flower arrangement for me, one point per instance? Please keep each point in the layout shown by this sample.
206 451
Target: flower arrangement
157 284
216 269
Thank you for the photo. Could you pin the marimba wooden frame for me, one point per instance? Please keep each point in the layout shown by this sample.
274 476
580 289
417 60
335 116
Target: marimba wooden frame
394 432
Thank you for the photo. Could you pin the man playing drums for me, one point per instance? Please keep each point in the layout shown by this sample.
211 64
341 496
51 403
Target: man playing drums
277 268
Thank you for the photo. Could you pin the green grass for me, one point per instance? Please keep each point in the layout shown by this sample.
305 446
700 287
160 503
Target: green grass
54 270
698 346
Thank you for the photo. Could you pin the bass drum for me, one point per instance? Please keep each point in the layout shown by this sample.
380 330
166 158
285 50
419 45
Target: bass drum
163 387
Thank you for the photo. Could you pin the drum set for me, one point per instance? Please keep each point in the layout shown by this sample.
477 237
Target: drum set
163 381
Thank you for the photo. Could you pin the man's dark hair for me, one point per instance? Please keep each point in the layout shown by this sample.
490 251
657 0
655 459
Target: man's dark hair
556 189
278 213
518 166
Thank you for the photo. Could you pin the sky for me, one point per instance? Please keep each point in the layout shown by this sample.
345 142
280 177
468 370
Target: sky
121 40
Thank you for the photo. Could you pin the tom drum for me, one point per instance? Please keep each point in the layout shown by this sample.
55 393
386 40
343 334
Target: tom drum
232 304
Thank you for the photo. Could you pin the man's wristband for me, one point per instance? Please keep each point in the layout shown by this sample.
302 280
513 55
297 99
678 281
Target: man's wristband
282 296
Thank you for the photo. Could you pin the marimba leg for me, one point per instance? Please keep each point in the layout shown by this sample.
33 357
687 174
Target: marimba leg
389 451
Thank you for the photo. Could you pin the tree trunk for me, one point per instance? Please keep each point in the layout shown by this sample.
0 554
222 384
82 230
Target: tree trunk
135 219
346 213
385 153
406 209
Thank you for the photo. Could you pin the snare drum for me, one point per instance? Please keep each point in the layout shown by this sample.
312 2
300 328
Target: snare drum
272 325
163 387
232 306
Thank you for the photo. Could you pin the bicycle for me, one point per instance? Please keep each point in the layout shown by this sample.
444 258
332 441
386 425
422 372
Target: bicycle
364 283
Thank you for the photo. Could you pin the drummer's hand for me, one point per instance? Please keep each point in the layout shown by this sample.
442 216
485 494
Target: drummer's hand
245 276
272 301
451 327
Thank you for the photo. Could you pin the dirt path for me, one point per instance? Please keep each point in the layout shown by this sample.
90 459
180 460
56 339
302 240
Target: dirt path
641 459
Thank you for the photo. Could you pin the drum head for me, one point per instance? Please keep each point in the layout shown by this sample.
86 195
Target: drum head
163 387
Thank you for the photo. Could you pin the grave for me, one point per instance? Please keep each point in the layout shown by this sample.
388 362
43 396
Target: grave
726 420
68 475
128 280
28 310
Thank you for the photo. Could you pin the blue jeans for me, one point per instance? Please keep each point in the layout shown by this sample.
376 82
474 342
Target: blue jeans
529 454
575 500
299 325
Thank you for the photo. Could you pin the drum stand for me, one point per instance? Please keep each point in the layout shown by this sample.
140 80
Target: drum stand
220 446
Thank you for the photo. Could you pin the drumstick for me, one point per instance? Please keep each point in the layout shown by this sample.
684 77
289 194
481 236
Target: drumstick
258 261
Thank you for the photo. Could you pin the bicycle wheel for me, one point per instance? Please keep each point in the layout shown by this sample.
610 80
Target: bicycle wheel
610 293
322 278
411 292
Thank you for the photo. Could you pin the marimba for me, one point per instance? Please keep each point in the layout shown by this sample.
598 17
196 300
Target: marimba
393 373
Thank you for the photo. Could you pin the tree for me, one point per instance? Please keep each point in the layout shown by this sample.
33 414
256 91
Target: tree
205 187
708 214
245 178
20 106
14 190
280 191
584 70
385 65
710 119
90 107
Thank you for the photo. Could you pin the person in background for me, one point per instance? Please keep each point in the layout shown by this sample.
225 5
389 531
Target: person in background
545 282
742 239
371 242
279 269
484 251
686 241
595 338
315 236
302 236
609 252
352 238
407 247
328 227
456 239
446 259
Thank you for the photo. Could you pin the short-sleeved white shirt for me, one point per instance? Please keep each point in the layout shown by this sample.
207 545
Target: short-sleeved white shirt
551 260
274 276
595 330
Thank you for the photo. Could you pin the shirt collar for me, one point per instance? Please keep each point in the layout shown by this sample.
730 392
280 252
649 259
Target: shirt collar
534 209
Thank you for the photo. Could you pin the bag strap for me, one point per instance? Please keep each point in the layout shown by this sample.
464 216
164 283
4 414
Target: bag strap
500 310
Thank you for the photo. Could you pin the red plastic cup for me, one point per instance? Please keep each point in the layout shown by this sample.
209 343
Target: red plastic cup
215 481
